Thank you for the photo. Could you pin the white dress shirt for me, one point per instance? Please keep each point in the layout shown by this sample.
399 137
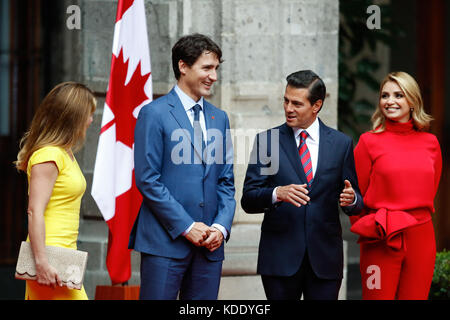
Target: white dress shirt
188 104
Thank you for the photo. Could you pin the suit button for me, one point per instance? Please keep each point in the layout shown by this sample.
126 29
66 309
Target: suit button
201 204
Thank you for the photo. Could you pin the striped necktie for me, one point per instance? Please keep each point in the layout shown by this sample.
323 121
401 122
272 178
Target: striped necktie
305 157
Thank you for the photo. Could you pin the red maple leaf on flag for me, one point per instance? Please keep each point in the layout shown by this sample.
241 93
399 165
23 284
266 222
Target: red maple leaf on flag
123 99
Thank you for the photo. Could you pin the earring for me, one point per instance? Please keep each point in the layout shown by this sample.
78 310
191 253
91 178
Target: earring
412 110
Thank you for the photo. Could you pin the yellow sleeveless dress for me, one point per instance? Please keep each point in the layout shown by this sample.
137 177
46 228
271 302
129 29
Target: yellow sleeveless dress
62 216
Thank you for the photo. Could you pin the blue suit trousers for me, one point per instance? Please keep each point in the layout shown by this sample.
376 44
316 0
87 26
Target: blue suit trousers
191 278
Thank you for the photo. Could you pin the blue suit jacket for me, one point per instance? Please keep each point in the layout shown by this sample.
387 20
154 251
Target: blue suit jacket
287 231
177 194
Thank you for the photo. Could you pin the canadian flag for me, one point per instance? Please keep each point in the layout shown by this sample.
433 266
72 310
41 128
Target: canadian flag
130 88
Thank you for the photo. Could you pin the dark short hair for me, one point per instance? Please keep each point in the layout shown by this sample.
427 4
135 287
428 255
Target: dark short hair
307 79
190 47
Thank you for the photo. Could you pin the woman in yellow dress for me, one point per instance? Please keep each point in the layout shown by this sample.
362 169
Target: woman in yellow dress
55 182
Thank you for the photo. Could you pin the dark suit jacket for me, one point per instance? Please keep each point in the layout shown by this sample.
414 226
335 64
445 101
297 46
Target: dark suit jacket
177 194
287 231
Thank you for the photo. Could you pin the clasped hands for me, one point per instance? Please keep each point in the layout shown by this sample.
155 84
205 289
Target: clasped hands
297 194
202 235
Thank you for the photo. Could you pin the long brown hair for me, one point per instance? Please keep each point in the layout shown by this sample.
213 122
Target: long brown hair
421 120
60 120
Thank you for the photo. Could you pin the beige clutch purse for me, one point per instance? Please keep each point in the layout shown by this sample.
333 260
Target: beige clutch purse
70 264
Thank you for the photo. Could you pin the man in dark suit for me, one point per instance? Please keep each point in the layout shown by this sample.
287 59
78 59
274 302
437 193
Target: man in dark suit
188 199
301 247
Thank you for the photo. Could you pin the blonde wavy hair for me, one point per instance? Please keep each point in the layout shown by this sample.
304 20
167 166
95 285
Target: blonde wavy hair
421 120
60 120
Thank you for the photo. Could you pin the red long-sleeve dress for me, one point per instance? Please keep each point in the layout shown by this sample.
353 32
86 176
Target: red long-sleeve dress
398 173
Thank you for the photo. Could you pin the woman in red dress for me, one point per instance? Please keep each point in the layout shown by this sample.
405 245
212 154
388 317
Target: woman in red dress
398 166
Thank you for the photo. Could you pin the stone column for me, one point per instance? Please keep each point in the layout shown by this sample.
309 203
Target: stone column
262 42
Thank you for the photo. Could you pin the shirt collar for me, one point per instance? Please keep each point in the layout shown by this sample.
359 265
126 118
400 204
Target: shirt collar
187 101
312 130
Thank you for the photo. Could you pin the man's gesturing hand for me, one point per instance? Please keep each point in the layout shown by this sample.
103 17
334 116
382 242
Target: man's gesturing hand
198 233
293 193
347 196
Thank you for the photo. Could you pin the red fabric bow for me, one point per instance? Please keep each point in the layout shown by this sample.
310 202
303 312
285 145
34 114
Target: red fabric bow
383 225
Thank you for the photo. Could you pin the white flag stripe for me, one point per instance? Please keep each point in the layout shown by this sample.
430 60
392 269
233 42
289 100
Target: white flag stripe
132 38
107 116
103 182
123 169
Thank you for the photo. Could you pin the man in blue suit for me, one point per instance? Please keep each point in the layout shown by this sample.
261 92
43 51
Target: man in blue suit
300 250
184 171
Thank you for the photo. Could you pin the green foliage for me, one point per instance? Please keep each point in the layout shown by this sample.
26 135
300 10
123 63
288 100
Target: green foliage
440 287
357 64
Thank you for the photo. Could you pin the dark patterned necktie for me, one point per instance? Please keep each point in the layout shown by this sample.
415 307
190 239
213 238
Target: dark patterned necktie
305 157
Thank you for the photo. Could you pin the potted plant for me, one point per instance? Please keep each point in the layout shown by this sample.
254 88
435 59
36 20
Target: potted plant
440 287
